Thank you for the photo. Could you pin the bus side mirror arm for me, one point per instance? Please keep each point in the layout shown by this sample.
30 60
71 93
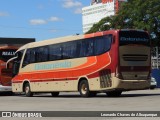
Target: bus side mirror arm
7 65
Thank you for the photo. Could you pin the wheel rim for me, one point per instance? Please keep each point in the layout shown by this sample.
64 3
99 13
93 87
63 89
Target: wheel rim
84 89
27 89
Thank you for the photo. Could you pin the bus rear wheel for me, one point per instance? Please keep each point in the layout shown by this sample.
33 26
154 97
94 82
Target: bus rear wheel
114 93
54 94
27 90
84 88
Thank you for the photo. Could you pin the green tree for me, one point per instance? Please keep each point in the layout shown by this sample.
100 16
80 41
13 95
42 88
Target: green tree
134 14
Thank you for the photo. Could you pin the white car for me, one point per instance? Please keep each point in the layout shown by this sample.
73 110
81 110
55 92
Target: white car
153 83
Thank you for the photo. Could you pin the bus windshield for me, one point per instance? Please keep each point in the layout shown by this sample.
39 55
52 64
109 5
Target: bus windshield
134 37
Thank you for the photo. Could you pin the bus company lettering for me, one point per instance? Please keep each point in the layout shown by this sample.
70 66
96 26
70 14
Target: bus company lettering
8 53
65 64
133 39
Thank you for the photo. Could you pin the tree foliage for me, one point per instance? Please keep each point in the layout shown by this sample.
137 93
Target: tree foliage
134 14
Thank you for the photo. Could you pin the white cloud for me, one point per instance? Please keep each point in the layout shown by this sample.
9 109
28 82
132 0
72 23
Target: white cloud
55 19
44 21
38 22
3 14
78 11
71 3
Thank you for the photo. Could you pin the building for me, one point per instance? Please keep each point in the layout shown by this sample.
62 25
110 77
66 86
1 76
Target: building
97 10
8 47
155 57
17 42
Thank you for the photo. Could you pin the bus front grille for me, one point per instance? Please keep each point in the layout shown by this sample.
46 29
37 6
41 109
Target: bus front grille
135 57
105 79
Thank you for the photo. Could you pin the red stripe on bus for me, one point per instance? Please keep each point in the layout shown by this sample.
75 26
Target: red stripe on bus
49 80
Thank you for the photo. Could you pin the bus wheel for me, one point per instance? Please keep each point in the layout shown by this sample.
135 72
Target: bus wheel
114 93
54 94
84 88
27 90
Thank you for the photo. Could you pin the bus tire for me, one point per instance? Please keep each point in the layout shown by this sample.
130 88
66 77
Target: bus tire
84 89
54 94
27 90
114 93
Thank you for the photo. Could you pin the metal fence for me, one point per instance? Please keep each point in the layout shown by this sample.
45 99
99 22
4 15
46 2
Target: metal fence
155 58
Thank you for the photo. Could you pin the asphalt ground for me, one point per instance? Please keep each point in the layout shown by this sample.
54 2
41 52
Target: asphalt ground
141 100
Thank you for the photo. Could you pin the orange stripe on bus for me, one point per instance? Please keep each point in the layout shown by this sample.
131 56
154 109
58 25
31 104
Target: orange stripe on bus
93 34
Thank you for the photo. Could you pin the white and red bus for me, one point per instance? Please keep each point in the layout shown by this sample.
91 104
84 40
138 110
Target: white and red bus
8 47
6 52
112 61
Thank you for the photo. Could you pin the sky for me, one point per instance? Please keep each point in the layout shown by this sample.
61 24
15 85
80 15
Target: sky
41 19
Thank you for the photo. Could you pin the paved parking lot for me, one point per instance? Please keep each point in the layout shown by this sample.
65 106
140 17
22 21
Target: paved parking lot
143 100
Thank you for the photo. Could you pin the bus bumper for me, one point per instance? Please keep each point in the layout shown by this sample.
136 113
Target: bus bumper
131 84
5 88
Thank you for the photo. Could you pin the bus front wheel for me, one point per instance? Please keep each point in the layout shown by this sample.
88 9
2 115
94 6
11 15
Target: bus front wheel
84 88
27 90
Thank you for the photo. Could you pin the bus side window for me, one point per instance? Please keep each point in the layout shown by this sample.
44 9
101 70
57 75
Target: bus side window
66 51
78 49
87 48
55 52
32 56
102 44
82 49
73 53
69 50
99 46
29 57
45 54
42 54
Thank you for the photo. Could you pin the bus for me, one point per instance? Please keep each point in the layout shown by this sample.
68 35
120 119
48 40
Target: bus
111 62
8 47
6 52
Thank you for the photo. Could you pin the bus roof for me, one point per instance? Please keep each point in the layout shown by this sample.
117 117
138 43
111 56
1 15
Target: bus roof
64 39
52 41
70 38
